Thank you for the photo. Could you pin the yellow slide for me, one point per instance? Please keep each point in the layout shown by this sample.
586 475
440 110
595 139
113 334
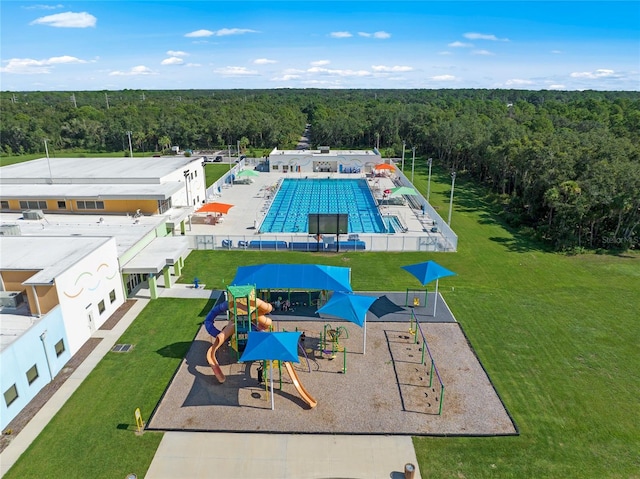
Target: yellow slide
306 397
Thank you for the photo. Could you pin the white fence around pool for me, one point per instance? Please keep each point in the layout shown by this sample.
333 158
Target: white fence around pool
283 242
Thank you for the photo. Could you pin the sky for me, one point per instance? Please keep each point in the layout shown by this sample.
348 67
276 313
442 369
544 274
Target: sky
160 45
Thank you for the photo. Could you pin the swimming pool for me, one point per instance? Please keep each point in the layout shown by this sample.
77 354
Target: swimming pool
296 198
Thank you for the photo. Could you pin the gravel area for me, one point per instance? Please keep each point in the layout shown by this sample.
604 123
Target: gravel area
385 391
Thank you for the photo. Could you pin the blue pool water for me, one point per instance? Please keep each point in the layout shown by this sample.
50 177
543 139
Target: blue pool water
296 198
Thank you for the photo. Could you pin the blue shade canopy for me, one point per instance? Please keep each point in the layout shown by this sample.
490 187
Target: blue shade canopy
428 271
271 346
352 307
295 276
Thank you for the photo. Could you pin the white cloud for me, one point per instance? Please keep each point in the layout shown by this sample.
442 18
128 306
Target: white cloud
177 53
340 35
483 36
600 73
263 61
43 7
379 35
395 68
29 66
235 71
557 87
223 32
342 73
172 61
443 78
518 81
233 31
319 63
556 52
460 45
482 52
139 70
67 20
199 33
286 78
193 65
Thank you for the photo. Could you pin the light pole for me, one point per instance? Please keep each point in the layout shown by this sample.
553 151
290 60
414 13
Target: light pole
404 144
46 149
130 148
429 180
186 185
238 148
413 162
453 182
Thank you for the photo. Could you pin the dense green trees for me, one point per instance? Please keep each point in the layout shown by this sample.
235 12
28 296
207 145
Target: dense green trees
566 165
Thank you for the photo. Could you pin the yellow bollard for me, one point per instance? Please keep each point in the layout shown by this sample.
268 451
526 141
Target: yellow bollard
139 422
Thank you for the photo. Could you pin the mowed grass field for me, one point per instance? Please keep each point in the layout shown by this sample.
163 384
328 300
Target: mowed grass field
558 335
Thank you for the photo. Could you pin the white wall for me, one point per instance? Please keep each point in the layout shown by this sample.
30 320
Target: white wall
195 185
83 286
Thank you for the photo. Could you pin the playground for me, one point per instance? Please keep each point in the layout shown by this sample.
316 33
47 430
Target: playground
378 378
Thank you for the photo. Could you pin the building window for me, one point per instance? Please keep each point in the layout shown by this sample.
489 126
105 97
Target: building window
32 374
10 395
62 205
101 307
274 167
60 347
33 205
90 205
4 205
112 295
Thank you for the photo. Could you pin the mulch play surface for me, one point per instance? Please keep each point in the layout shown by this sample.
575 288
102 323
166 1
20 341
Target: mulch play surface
385 391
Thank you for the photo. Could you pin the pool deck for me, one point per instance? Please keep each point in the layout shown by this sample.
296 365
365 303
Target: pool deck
250 205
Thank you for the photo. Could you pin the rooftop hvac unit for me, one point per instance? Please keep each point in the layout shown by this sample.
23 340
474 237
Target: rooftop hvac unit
324 149
10 230
33 215
11 299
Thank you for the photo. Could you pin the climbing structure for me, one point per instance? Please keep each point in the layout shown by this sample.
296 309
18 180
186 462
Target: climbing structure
246 312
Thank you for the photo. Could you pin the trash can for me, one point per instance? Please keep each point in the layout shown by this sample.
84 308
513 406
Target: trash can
409 471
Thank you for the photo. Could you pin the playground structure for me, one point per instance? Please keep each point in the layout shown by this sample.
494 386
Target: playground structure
330 338
246 312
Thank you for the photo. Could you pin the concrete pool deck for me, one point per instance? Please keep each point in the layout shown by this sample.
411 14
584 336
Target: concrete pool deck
250 204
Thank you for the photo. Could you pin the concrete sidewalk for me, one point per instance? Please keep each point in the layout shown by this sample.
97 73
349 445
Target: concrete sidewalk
190 455
109 337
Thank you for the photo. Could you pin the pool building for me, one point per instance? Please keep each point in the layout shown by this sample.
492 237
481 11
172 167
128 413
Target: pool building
323 160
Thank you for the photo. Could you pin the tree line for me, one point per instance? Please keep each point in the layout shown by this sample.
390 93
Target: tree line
566 165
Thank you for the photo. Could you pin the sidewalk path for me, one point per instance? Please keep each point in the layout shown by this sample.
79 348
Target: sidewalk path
191 455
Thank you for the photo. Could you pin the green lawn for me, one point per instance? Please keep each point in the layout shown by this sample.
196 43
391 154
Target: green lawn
557 334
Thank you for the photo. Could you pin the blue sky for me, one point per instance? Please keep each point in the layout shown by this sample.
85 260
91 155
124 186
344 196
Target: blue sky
150 45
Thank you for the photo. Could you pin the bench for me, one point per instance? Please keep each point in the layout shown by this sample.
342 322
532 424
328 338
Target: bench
264 244
306 246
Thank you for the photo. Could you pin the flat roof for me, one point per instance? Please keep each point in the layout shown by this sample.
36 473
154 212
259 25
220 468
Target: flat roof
13 326
126 230
51 256
94 170
325 153
157 254
144 191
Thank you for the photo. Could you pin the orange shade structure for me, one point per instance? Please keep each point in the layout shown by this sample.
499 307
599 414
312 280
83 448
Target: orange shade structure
215 208
385 166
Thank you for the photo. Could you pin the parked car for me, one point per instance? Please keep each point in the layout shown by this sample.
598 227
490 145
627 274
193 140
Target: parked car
218 159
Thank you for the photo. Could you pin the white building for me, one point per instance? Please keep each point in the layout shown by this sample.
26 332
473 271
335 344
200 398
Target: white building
323 160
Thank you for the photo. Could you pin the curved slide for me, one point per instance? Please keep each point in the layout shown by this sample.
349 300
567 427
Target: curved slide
228 330
221 336
306 397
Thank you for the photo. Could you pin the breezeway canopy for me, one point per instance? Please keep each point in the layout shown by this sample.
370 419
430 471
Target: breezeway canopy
295 276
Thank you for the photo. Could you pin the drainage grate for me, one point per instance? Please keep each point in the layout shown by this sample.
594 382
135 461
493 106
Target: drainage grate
122 348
